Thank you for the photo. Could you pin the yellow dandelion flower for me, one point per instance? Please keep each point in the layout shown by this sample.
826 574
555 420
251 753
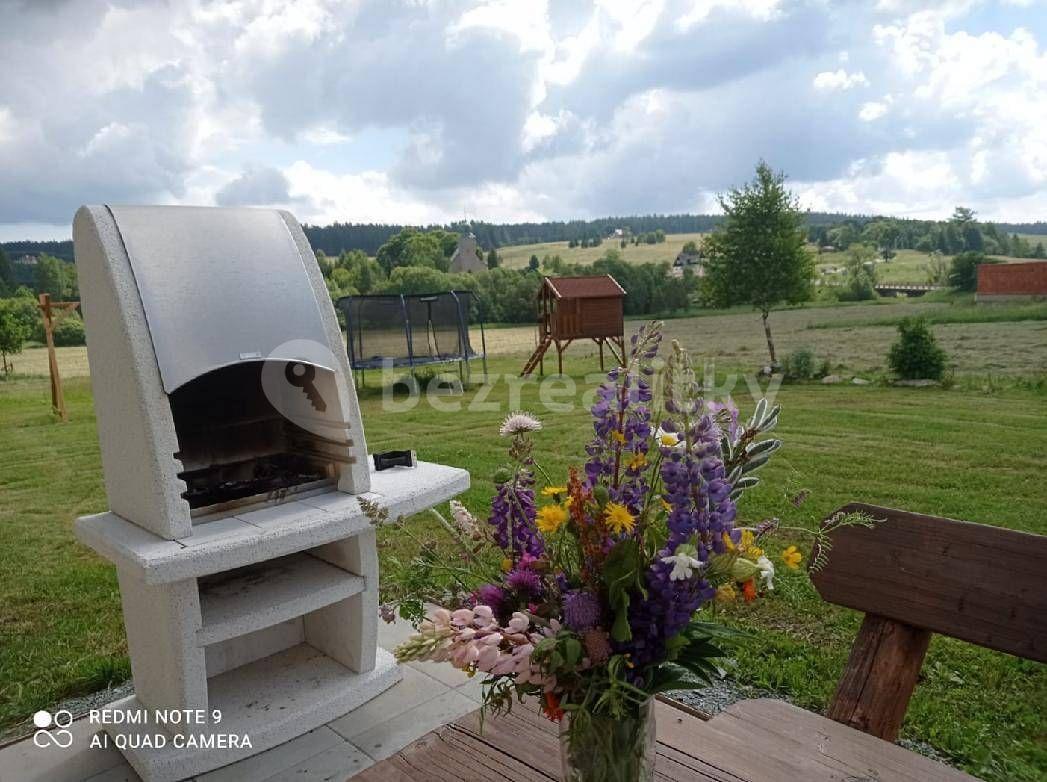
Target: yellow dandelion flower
551 518
754 551
748 538
727 542
792 557
507 565
619 519
638 462
726 594
618 437
554 491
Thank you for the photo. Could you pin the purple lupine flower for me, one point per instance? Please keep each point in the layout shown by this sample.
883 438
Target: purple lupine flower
701 511
512 516
622 425
581 610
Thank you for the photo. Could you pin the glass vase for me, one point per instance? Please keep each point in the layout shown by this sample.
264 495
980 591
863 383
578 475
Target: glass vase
602 749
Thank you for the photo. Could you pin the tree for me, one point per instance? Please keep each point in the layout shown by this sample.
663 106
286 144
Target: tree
492 259
689 248
412 247
937 269
758 254
533 263
962 215
7 275
963 273
972 238
13 333
51 276
860 280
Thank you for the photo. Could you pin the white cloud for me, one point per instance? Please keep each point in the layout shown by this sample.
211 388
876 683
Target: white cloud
371 196
410 111
257 186
701 10
839 80
872 110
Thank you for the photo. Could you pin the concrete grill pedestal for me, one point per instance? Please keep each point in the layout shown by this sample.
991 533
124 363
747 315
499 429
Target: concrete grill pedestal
254 614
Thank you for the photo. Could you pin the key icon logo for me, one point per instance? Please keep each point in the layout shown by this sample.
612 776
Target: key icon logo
301 375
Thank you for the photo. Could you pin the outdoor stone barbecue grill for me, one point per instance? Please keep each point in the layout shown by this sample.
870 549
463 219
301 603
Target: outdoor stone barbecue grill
233 454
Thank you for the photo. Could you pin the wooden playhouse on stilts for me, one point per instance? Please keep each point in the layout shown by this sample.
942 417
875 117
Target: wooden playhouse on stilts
571 308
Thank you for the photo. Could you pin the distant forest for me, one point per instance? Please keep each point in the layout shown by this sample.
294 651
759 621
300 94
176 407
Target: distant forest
339 237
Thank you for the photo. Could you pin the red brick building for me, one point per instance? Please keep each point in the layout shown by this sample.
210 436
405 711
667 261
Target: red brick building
1012 281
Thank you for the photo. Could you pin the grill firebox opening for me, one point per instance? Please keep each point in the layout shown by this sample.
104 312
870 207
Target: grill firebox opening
237 448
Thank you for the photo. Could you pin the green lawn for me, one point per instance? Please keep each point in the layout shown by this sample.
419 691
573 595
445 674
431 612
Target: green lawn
966 455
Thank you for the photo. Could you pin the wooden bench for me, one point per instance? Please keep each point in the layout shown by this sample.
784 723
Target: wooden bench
912 575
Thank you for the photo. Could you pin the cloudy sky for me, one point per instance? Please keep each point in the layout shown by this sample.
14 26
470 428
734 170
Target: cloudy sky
416 111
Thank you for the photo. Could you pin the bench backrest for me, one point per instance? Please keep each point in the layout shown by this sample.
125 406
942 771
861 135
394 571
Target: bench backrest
914 575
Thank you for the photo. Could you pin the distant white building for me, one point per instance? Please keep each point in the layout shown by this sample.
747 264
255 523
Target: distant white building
466 257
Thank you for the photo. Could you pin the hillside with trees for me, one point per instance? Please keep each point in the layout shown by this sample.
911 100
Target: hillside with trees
824 228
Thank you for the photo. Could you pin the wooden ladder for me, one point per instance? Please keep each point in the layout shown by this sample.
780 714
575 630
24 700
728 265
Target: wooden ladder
539 351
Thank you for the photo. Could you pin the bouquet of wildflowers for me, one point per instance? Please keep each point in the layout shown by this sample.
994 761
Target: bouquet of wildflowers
592 599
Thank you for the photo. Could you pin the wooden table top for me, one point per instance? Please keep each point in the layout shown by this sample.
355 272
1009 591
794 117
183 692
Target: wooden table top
753 741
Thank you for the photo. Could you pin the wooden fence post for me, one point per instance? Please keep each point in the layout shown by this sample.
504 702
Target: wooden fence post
53 312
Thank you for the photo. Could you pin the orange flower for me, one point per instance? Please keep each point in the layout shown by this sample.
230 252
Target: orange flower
749 590
552 707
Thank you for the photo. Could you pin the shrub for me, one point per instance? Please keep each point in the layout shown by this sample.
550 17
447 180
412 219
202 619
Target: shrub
70 331
916 355
800 365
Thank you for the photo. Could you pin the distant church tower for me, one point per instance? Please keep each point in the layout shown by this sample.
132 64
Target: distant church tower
466 256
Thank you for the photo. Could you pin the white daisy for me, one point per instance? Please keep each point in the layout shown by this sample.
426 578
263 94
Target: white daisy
667 439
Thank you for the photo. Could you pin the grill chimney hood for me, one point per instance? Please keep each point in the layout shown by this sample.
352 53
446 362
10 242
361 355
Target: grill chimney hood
218 286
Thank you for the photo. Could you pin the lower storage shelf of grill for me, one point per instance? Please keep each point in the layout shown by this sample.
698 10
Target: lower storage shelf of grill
251 598
269 701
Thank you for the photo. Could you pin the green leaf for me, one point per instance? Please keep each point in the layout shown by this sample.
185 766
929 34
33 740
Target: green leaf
572 652
620 630
621 574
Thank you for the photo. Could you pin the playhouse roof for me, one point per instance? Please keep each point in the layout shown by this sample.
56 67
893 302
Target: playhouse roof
596 286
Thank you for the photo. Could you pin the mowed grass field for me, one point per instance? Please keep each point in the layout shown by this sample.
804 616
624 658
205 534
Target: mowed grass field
518 256
907 267
981 340
925 450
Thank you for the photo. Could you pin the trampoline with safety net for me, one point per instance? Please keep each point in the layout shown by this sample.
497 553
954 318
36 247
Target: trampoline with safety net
412 330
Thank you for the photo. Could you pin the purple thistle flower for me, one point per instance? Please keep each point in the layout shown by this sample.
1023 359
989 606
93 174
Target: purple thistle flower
581 610
490 595
525 582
